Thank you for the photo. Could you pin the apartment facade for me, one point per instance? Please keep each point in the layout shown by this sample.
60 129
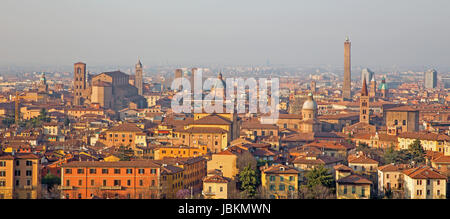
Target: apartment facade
144 179
424 183
19 176
280 182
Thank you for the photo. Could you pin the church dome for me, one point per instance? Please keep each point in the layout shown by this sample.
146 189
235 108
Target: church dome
220 84
310 104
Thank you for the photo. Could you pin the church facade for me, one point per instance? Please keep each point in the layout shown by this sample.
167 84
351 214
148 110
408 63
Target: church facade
109 90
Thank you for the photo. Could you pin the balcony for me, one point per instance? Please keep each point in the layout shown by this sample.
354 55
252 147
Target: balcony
65 187
208 193
111 187
28 187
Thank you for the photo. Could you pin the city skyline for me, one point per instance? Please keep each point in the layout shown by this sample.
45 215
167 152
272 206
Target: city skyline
232 33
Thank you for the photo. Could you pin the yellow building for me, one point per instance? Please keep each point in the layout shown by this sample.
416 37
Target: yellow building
424 183
29 112
194 169
362 164
179 152
111 158
231 160
33 96
171 180
350 185
233 126
429 141
19 176
213 131
125 134
280 182
216 186
152 98
390 178
79 112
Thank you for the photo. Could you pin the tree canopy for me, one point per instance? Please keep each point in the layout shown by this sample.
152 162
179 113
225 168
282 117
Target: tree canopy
50 180
249 181
416 152
319 176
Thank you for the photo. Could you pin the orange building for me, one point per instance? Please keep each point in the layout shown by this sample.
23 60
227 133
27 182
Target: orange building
19 176
144 179
78 112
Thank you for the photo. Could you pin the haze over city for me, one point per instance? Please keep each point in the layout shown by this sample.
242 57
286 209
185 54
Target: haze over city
224 99
201 32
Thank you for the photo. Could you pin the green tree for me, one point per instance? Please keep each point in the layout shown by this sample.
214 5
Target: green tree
66 122
397 157
8 121
416 152
319 176
125 154
248 179
50 180
316 192
43 116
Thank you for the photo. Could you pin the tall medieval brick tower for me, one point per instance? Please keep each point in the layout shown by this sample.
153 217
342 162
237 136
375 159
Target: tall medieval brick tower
373 88
364 110
139 78
346 93
79 83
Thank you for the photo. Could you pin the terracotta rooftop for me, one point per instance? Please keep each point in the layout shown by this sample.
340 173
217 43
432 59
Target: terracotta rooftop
423 172
361 159
216 179
330 145
118 164
381 136
402 108
342 167
212 120
18 156
354 179
204 130
319 160
280 169
125 127
392 167
425 136
442 159
289 116
257 125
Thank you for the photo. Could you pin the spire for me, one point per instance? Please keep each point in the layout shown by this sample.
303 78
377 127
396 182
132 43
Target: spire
364 91
139 62
16 108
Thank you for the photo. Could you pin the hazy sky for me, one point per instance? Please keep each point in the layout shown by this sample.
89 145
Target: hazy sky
383 32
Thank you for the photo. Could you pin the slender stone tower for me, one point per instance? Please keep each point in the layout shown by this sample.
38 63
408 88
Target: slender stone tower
16 109
79 82
364 110
346 93
373 88
139 78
